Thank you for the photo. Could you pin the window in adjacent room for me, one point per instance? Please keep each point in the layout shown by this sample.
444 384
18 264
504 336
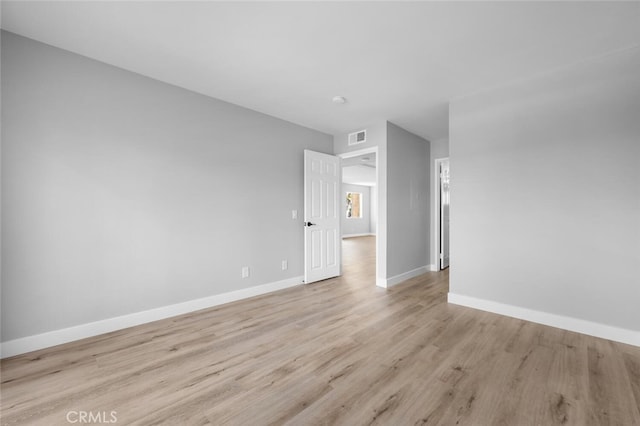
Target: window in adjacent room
354 205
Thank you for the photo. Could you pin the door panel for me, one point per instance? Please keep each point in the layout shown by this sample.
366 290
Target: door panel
316 250
321 216
332 243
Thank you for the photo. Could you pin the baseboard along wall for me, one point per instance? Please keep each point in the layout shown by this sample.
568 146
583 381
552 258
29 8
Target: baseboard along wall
590 328
397 279
66 335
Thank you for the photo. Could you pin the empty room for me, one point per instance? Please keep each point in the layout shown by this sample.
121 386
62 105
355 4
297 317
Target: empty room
320 213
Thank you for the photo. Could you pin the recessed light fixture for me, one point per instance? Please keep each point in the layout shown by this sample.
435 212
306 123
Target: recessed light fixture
365 159
339 100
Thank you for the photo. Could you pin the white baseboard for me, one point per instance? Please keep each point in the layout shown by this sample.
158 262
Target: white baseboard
358 235
433 268
390 282
65 335
617 334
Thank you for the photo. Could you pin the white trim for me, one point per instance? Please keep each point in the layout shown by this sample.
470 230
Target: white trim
65 335
433 268
390 282
366 234
358 152
617 334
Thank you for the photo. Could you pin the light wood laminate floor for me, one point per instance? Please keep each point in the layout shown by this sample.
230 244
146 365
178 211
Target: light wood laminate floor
341 352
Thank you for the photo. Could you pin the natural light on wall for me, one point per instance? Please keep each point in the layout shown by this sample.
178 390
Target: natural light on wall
354 201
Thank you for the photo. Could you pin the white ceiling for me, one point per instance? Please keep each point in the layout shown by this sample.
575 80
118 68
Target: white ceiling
360 170
362 160
359 175
392 60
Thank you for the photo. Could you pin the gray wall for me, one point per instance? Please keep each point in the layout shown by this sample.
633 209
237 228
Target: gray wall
356 225
408 214
545 192
439 149
121 193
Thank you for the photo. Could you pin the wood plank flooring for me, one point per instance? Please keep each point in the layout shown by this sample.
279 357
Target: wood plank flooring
338 352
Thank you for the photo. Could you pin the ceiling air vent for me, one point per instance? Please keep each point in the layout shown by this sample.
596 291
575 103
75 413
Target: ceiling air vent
357 137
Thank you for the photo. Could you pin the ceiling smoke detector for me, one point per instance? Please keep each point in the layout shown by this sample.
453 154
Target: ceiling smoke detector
339 100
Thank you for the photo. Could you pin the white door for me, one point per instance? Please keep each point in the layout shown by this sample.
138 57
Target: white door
322 183
444 214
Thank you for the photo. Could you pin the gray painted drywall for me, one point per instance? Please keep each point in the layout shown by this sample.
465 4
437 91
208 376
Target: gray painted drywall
439 148
121 193
545 192
353 225
408 213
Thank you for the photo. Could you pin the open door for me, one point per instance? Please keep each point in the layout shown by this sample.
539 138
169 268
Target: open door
444 214
322 183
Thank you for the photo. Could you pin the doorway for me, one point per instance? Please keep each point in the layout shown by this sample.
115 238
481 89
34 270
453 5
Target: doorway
441 212
359 205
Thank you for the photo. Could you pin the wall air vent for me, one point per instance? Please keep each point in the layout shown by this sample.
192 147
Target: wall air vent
357 137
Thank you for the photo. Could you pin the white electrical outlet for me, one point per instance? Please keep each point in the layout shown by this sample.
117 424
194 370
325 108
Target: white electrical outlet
285 265
294 214
245 272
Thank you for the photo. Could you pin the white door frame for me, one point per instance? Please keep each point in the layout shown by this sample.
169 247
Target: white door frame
381 250
435 187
